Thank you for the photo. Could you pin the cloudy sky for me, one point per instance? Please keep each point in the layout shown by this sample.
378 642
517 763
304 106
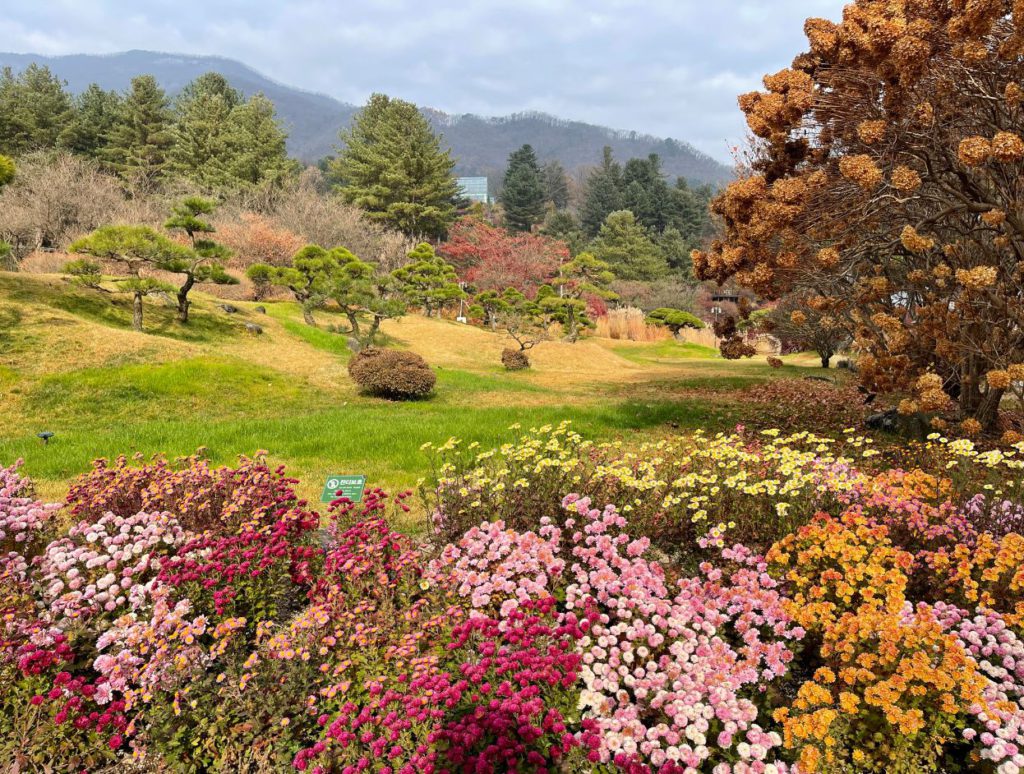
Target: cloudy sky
667 67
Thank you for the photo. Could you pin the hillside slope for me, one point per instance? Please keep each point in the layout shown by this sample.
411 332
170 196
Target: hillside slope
481 145
71 365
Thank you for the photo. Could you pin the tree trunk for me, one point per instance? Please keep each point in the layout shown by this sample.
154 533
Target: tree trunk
307 316
137 312
372 333
983 407
183 302
826 360
353 321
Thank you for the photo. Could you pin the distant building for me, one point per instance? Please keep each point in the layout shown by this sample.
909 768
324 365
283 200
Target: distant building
474 189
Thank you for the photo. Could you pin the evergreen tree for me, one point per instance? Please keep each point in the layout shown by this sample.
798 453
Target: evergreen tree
141 137
645 192
256 144
359 290
392 166
206 85
34 107
624 245
556 184
205 264
676 249
582 277
132 248
690 213
522 192
602 195
428 281
7 170
199 149
95 111
311 276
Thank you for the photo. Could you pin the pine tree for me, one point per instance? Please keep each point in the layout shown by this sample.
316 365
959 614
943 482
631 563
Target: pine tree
139 142
645 192
582 277
392 166
428 281
603 194
624 245
34 107
256 145
95 111
199 150
522 192
131 248
556 184
205 264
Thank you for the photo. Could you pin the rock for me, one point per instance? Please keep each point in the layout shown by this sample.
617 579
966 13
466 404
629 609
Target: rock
888 420
253 328
353 344
260 310
828 379
228 308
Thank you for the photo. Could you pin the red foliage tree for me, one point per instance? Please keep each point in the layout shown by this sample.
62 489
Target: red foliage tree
493 259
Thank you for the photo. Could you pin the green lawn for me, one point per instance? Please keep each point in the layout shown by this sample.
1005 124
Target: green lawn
69 364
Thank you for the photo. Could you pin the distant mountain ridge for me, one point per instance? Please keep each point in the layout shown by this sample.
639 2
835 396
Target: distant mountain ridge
479 144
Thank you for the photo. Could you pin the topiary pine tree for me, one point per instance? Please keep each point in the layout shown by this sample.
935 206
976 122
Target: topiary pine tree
205 264
310 277
582 277
428 281
393 167
360 290
132 248
522 192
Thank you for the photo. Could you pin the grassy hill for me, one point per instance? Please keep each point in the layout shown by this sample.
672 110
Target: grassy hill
71 365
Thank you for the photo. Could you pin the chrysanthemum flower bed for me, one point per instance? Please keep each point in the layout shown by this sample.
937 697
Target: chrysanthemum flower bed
738 603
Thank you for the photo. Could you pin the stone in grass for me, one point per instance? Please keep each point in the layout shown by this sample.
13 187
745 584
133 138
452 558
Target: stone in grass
253 328
228 308
260 310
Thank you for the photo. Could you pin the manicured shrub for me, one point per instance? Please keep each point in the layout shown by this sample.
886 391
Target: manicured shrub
515 359
390 373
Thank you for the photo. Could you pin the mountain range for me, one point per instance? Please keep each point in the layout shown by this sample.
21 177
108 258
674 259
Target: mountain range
480 145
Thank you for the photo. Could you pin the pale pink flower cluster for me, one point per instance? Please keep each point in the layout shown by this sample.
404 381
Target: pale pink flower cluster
22 521
999 653
660 676
499 567
107 565
141 655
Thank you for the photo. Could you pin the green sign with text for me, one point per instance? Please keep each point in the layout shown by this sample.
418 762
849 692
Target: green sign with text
343 486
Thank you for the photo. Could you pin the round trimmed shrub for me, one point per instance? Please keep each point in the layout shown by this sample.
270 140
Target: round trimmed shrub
515 359
389 373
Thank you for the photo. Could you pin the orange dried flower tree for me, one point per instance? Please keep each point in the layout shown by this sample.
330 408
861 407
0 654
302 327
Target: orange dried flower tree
883 181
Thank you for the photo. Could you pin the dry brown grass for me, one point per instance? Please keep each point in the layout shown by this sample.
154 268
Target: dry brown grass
629 324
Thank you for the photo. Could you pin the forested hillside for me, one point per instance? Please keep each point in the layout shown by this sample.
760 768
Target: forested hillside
480 145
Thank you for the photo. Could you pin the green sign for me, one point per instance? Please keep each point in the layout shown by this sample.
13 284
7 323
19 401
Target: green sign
343 486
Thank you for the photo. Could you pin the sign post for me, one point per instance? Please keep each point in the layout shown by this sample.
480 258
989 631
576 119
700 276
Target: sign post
343 486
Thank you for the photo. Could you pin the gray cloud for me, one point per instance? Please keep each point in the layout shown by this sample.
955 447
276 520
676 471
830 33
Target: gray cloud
667 67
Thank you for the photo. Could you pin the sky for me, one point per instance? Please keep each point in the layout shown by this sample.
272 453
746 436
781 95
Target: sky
671 68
